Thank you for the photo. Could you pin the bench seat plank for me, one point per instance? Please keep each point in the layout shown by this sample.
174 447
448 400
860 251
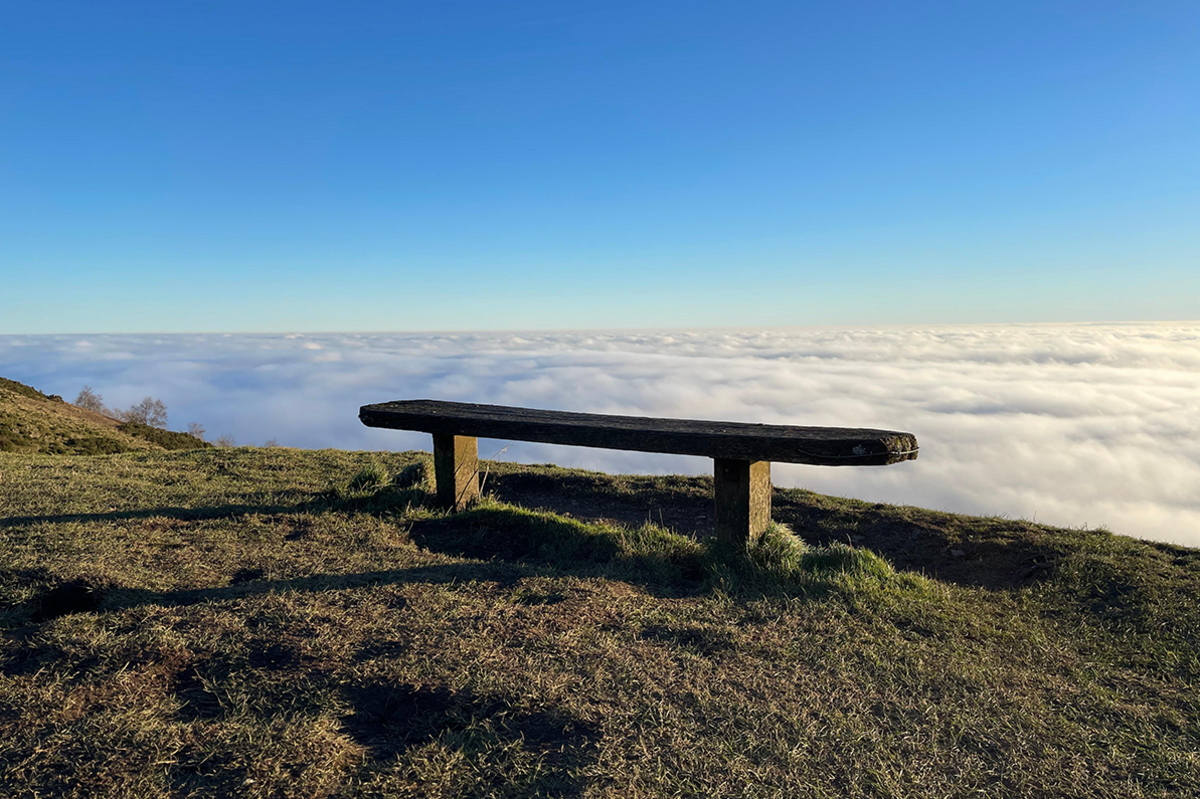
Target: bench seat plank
822 446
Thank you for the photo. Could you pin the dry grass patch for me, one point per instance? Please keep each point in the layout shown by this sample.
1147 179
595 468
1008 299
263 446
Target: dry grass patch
269 622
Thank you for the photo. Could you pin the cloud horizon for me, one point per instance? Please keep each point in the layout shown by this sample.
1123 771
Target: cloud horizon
1072 424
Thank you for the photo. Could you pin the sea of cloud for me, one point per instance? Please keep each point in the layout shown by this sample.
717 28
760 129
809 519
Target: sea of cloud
1075 425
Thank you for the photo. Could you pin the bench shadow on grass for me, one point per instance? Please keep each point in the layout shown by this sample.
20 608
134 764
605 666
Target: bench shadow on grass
392 720
517 544
998 554
179 513
114 598
511 749
505 545
389 720
517 751
510 546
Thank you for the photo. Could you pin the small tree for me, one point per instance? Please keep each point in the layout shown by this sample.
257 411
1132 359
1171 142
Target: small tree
225 440
89 400
149 411
196 429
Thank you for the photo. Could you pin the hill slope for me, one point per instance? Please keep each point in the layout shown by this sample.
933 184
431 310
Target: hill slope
269 622
31 421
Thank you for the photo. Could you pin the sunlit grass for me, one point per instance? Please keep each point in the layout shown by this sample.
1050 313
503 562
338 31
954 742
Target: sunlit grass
273 622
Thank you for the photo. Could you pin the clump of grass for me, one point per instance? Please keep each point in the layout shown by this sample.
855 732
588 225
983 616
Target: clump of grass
494 530
371 477
417 475
376 489
661 556
777 550
779 562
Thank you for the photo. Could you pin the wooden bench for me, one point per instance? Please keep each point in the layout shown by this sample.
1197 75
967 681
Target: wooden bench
742 453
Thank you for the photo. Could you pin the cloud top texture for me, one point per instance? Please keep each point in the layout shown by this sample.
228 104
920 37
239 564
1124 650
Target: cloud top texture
1076 425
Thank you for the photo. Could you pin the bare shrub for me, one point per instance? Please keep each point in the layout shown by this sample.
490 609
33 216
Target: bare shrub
149 411
196 429
89 400
225 440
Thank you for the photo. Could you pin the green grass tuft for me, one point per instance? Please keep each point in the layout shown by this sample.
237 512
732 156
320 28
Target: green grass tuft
417 475
371 477
780 563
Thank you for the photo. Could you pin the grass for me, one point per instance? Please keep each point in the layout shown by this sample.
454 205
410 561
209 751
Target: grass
275 622
29 392
31 421
166 439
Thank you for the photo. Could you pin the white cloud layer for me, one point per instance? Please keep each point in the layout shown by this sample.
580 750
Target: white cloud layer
1079 425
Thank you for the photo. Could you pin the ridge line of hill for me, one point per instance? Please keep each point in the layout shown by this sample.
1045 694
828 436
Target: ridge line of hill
35 422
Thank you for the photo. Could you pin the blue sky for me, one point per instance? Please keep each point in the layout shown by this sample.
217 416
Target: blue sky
400 166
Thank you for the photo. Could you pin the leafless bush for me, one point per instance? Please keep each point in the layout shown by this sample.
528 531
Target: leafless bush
89 400
149 411
225 440
196 429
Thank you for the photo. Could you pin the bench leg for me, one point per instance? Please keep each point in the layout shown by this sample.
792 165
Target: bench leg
455 469
743 496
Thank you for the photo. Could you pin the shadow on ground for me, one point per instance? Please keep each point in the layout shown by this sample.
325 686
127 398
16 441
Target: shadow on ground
990 553
80 596
390 719
682 504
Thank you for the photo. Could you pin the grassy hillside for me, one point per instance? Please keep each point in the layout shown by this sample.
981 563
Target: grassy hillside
31 421
271 622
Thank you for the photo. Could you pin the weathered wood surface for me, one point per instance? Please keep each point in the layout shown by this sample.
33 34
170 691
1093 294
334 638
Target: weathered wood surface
456 470
742 490
822 446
